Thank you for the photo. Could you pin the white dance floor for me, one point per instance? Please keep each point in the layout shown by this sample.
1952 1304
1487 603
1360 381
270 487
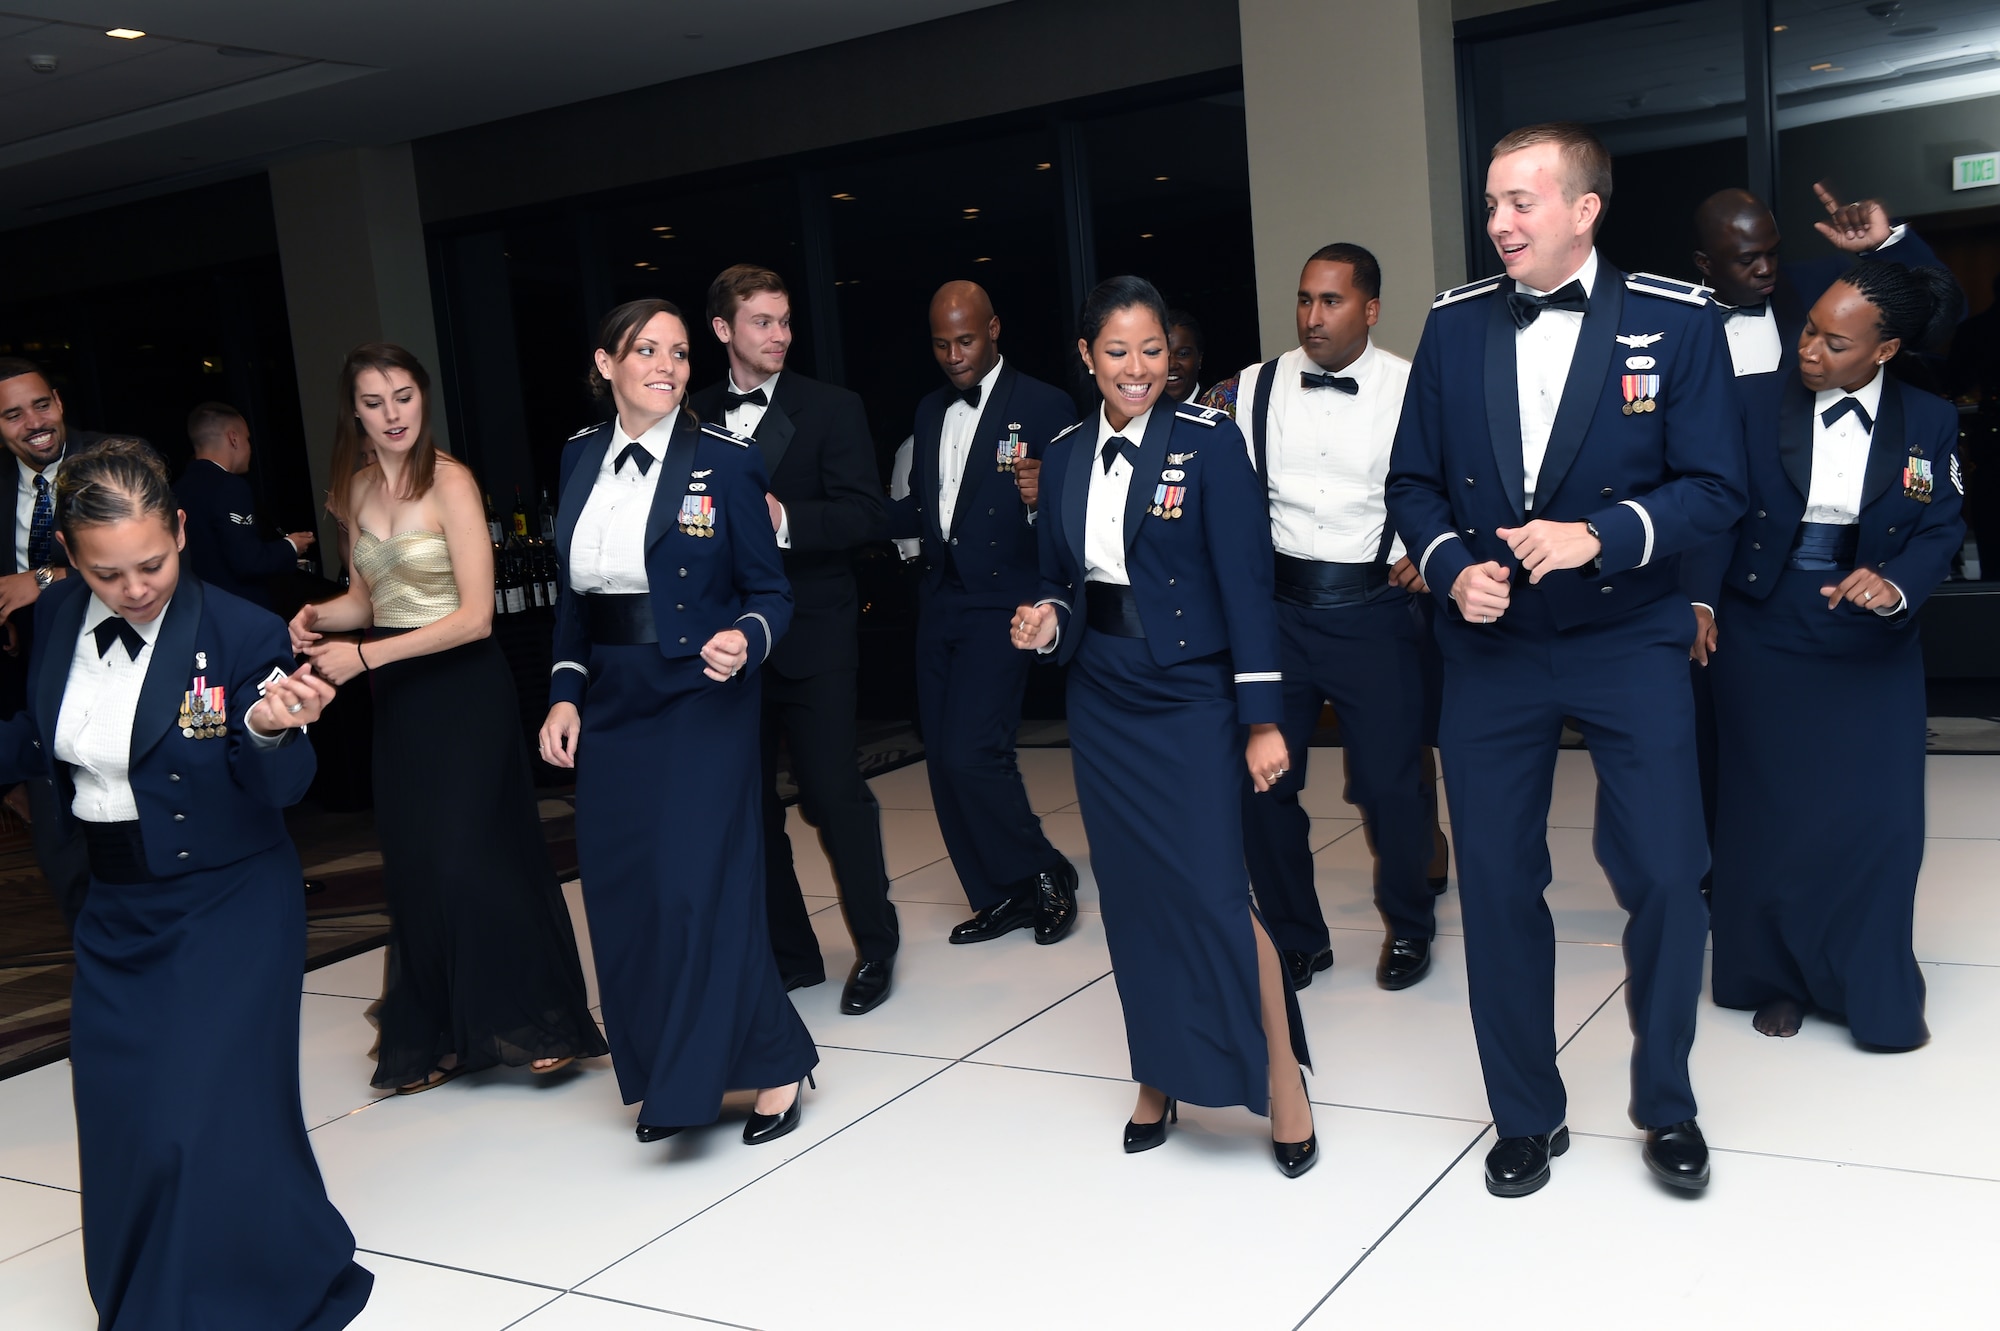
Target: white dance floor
959 1165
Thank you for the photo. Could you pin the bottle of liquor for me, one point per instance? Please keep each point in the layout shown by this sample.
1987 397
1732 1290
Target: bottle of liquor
517 591
499 567
520 516
532 569
551 566
492 522
545 518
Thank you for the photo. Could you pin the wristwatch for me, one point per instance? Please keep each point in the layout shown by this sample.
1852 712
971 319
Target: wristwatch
44 576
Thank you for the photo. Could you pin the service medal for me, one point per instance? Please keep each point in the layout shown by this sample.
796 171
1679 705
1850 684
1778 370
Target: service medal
1010 451
1640 391
1917 480
698 514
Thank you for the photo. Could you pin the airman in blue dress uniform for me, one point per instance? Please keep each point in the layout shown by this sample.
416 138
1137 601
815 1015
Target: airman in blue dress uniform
1568 430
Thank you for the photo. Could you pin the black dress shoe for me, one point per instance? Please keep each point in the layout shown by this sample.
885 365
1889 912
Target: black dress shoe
1055 902
1404 962
1517 1166
1678 1156
649 1133
763 1128
1302 966
804 981
1145 1136
1016 912
315 886
867 986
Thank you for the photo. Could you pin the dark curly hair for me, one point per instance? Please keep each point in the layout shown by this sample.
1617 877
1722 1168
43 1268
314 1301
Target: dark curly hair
1918 305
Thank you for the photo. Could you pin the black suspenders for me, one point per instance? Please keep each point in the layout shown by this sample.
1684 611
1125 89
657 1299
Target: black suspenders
1260 419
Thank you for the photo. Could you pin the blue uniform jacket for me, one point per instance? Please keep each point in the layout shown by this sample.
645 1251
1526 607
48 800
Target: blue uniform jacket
1911 524
224 548
1653 482
991 543
203 803
1203 580
730 577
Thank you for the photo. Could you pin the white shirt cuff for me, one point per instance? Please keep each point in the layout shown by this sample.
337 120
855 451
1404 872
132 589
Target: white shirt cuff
1703 605
784 528
1896 233
1897 608
294 544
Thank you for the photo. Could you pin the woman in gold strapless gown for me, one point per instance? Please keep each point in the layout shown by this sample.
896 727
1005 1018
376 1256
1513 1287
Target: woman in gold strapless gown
482 967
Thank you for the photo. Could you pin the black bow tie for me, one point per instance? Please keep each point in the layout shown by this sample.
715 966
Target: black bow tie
1842 407
754 398
634 452
969 396
1526 308
1307 379
1113 446
115 629
1756 311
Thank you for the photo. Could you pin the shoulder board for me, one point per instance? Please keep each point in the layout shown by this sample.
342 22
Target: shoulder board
726 436
1208 416
1071 430
588 429
1672 288
1485 286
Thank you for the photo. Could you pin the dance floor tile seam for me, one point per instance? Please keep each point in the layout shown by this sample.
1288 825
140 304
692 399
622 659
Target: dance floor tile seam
53 1238
1718 1151
36 1183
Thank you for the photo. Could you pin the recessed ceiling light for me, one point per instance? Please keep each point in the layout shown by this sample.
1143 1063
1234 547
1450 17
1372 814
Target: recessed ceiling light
1781 27
123 34
1043 166
663 228
1822 67
1159 177
844 197
1145 235
984 258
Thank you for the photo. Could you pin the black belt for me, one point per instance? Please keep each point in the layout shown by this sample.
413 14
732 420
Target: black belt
117 853
1316 585
1110 608
619 619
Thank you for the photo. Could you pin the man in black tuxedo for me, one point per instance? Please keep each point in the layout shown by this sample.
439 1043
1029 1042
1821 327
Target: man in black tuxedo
224 548
38 437
825 500
979 559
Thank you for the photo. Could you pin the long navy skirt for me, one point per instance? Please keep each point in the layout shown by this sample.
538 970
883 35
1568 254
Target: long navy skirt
1159 775
203 1206
1819 829
670 842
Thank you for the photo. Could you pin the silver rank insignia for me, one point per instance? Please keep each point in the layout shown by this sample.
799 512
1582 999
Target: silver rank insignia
1178 459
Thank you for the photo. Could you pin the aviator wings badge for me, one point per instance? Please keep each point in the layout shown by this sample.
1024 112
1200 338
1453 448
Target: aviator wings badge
1639 341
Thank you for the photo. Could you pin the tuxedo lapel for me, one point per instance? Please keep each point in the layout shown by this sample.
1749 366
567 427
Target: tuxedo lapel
581 481
927 467
167 676
989 429
1145 468
1584 387
1076 493
1503 402
1887 455
776 430
1795 436
676 469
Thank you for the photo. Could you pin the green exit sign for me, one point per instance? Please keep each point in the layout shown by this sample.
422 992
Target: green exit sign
1973 171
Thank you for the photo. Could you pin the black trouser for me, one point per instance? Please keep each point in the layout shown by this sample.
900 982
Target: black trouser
1365 660
815 718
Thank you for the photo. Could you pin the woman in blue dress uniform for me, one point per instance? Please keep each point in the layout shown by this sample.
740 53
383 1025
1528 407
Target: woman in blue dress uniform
202 1204
1818 673
1157 577
672 594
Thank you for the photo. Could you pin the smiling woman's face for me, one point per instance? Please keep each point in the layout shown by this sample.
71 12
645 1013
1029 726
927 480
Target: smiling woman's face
1129 362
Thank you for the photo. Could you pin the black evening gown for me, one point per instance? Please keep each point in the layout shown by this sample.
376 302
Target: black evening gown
482 966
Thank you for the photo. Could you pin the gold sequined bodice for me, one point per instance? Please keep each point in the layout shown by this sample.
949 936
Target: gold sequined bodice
409 578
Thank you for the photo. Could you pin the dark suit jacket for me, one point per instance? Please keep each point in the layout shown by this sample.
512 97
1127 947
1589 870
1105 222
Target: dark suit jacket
223 547
991 544
203 803
820 458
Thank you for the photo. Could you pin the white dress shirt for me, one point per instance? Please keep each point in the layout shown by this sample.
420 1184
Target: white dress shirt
94 727
607 552
1104 513
1542 354
899 488
1840 456
1754 344
1328 455
24 507
955 445
744 420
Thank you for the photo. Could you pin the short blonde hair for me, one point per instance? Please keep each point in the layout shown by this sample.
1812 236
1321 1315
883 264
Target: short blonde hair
1586 162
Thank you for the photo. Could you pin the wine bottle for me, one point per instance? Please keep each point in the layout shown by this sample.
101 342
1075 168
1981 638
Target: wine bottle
520 516
517 598
545 517
499 563
532 570
492 522
551 567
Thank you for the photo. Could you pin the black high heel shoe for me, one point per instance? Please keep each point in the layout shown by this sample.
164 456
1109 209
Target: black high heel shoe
1145 1136
649 1133
769 1127
1295 1158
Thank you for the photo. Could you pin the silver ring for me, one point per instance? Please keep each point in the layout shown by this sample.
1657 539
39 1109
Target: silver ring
295 708
1486 619
1868 596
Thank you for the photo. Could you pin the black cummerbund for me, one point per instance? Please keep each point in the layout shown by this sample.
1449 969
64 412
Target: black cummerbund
1317 586
1824 545
117 852
620 619
1110 608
